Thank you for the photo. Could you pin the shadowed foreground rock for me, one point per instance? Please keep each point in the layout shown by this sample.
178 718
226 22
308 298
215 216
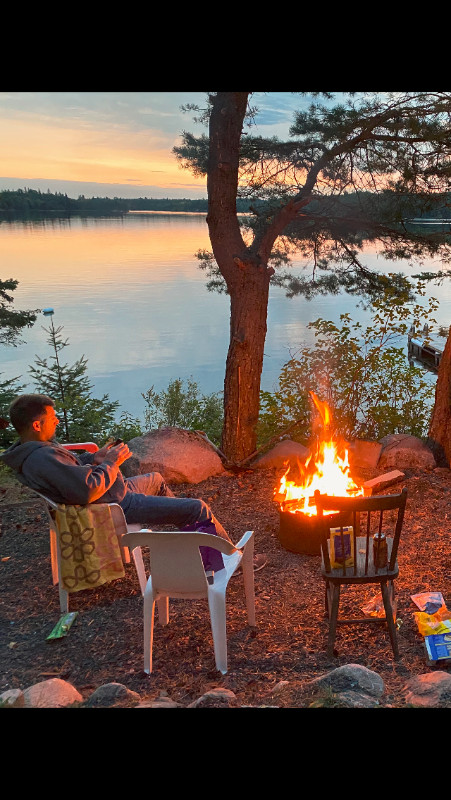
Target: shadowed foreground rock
432 690
112 695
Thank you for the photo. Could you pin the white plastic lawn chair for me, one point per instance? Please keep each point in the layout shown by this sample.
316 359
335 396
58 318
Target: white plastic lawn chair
177 571
121 525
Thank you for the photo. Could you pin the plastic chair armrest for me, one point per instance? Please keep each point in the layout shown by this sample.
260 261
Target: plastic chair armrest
90 447
244 540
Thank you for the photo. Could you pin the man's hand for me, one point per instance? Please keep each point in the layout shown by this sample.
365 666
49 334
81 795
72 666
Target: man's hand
120 452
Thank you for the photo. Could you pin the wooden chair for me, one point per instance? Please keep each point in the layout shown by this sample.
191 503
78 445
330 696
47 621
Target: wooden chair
367 516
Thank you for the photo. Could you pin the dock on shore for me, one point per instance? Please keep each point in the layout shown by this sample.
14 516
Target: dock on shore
420 348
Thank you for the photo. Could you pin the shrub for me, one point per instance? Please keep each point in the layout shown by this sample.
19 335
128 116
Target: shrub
361 374
181 406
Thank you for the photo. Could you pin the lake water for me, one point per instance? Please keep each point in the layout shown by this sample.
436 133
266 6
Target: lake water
132 299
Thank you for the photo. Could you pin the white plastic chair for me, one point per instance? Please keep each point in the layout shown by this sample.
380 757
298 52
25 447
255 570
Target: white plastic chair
121 525
177 571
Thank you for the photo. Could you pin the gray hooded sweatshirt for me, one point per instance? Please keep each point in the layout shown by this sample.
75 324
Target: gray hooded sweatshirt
49 468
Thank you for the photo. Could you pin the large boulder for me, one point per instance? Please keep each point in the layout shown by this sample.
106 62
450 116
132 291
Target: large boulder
179 455
284 452
403 451
363 453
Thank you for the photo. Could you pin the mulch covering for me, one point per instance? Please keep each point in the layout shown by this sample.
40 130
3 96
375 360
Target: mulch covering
105 643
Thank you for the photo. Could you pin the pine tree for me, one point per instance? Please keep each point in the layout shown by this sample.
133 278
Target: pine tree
83 416
12 321
348 172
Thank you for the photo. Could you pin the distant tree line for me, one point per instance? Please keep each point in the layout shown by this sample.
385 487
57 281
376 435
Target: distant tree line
28 201
25 201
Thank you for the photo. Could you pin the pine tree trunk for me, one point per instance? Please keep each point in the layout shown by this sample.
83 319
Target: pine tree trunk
440 427
245 271
248 315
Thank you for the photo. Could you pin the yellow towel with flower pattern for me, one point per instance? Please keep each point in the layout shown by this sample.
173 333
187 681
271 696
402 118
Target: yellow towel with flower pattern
89 547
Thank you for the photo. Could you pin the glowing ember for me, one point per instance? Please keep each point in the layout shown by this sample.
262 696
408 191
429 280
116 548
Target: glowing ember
328 472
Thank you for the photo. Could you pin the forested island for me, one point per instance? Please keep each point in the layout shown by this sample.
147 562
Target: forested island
31 201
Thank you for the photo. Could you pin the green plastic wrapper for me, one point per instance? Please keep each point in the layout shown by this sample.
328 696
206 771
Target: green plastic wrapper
63 625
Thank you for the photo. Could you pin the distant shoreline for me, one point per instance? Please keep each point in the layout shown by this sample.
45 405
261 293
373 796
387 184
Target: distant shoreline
30 201
26 203
151 211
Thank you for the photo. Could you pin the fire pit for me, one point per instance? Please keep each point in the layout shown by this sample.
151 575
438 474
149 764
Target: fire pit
299 532
325 470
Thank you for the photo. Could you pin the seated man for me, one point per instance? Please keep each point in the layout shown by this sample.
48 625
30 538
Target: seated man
44 465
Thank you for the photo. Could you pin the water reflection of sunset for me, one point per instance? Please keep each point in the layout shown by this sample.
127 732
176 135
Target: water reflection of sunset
132 299
130 296
92 251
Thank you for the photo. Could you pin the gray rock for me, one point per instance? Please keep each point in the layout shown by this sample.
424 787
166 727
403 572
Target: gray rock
431 690
54 693
160 702
358 700
279 687
351 677
12 698
112 695
216 698
403 451
179 455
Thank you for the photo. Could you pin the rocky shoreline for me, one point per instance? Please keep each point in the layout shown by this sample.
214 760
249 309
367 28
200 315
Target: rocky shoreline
349 686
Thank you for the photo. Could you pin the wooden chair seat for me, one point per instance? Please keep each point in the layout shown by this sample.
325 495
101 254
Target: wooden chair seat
363 573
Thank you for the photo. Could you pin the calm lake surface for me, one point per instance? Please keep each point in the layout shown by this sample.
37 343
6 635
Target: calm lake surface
132 299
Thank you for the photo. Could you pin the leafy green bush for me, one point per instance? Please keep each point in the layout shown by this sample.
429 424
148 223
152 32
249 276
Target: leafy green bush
181 406
362 375
127 428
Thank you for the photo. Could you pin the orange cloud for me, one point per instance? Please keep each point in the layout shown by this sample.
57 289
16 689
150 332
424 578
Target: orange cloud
41 149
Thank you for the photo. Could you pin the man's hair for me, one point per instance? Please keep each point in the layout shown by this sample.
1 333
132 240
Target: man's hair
26 408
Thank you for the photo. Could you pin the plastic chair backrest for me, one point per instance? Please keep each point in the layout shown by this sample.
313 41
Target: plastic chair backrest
117 513
175 561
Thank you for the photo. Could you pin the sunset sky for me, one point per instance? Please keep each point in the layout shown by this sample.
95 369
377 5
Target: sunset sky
111 144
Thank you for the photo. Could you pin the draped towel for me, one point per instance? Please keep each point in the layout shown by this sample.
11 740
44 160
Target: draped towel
89 547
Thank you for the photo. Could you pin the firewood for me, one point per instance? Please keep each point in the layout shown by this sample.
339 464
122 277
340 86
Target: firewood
382 481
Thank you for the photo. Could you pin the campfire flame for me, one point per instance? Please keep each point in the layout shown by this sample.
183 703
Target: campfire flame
325 470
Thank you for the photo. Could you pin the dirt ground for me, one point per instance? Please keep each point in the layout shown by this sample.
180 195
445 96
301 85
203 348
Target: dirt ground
105 642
